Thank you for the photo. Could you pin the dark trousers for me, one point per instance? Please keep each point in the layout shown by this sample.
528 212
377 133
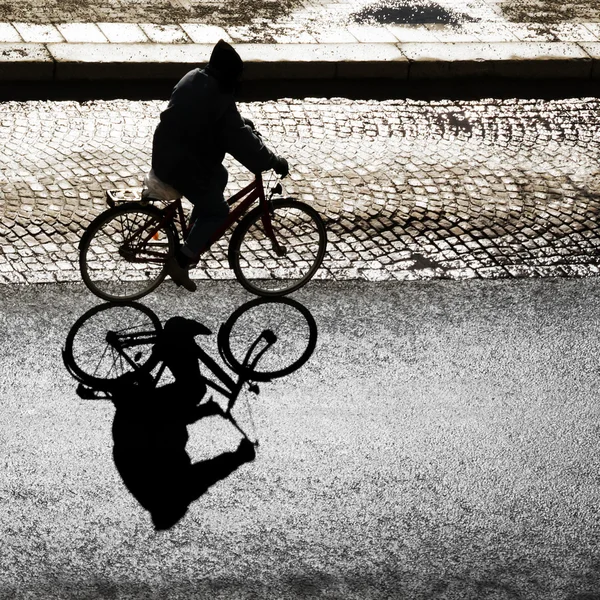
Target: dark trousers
210 209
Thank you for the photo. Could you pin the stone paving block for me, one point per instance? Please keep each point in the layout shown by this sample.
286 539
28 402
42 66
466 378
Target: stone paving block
531 32
34 33
25 62
205 34
490 32
554 60
412 33
322 61
572 32
288 61
593 50
337 35
9 34
371 34
165 34
538 60
290 37
248 35
445 33
594 28
136 61
291 33
81 33
123 33
372 61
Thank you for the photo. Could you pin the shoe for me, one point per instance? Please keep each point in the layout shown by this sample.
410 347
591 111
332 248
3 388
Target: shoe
180 275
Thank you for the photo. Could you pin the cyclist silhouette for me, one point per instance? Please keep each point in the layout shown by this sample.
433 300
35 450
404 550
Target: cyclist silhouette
199 126
150 430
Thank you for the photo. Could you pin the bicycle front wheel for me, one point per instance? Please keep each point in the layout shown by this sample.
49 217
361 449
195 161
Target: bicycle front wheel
283 328
123 252
266 268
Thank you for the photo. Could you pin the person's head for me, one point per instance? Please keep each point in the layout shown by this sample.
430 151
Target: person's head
226 66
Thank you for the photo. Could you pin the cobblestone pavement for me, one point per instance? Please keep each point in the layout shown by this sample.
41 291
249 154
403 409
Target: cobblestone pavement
310 21
408 189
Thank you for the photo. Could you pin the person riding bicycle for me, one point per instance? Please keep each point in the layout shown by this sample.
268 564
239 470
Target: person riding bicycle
199 126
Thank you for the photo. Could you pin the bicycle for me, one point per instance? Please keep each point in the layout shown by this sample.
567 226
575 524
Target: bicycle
275 249
116 340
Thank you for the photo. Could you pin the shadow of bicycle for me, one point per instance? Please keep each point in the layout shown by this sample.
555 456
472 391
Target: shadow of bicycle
159 378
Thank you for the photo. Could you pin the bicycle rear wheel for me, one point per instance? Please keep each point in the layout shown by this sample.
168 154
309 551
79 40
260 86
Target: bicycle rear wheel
123 252
111 340
302 237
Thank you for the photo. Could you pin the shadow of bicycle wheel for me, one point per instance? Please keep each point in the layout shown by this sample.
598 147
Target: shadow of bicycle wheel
268 338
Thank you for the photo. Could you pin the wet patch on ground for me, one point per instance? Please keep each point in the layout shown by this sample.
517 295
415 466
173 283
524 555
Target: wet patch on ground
408 13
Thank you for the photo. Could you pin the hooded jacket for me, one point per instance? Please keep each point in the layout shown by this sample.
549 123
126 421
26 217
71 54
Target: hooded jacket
201 124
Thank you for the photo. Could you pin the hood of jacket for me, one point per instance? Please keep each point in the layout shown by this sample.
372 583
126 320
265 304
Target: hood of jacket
225 65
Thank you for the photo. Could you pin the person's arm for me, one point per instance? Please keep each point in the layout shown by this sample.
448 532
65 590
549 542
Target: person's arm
249 123
244 145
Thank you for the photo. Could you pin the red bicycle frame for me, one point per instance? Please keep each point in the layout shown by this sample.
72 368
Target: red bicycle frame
246 196
253 191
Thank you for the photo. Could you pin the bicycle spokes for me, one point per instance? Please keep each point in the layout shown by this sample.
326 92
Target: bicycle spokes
124 251
275 254
112 340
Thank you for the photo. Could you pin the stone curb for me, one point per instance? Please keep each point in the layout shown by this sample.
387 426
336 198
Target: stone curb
63 62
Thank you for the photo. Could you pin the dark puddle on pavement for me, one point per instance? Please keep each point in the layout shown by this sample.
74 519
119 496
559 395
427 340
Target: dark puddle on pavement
399 13
152 375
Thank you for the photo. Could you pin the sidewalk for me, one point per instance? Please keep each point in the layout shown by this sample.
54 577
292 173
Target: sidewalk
325 42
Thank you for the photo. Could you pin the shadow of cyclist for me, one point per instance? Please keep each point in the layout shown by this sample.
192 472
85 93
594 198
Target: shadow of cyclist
150 430
118 351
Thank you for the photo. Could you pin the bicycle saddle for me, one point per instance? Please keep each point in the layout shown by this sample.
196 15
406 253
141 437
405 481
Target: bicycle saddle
156 189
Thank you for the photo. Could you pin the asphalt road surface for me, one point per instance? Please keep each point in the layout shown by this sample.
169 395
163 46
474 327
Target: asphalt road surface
440 442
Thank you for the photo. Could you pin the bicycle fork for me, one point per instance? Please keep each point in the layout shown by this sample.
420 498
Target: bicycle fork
268 225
